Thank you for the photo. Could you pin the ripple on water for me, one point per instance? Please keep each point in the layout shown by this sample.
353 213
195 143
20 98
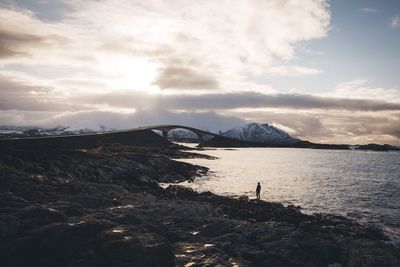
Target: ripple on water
362 185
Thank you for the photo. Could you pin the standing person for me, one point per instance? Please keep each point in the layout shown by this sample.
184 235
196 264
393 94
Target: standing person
258 190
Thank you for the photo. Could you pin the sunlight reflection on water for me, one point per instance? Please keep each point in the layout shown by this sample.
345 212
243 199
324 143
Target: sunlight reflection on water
363 185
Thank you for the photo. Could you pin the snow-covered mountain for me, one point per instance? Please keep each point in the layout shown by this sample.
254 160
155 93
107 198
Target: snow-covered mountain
182 135
27 131
254 132
260 133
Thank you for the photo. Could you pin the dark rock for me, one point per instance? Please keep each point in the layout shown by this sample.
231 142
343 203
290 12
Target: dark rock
102 206
243 198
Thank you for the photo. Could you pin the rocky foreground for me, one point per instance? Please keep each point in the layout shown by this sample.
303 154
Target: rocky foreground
93 205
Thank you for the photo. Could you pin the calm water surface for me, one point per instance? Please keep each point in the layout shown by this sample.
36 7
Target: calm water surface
362 185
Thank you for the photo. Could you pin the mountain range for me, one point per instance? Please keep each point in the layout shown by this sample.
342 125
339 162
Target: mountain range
252 132
260 133
248 135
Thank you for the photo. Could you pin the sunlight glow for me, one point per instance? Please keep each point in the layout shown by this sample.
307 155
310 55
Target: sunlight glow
130 73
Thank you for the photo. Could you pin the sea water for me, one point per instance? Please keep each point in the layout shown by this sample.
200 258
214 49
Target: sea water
362 185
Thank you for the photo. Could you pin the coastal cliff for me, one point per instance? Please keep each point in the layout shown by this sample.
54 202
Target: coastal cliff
84 202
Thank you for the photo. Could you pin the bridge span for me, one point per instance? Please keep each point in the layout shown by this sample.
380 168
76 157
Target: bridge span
166 128
109 134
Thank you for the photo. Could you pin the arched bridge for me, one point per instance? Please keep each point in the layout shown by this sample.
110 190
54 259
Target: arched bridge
88 137
166 128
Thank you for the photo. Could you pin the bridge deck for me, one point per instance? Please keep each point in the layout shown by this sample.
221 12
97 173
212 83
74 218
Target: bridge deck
156 127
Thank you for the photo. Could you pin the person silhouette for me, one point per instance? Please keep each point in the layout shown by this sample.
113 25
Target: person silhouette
258 190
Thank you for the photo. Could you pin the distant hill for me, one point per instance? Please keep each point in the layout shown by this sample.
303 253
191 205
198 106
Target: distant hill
265 135
182 135
32 131
146 138
260 133
249 135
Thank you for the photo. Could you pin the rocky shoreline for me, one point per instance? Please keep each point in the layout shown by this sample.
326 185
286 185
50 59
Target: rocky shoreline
103 206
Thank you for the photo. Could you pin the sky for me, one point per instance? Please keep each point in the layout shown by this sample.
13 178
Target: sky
324 71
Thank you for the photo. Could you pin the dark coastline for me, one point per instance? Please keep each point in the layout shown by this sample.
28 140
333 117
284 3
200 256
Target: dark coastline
96 202
221 141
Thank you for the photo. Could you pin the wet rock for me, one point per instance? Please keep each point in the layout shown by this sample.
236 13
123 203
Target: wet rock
135 250
43 246
181 191
243 198
37 215
9 200
9 225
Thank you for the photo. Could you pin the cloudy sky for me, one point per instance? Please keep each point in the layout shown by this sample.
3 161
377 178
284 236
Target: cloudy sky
326 71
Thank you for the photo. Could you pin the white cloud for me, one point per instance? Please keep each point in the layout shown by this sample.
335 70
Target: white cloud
369 10
92 119
395 22
129 43
287 129
332 126
359 89
285 70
